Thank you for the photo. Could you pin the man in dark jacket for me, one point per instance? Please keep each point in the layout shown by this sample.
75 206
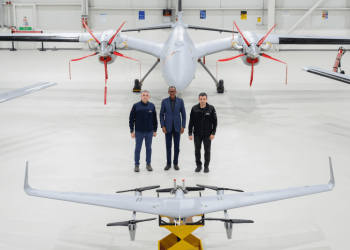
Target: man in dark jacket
203 123
143 115
173 125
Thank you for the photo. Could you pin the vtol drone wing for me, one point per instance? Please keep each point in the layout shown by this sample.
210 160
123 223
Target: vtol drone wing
224 202
124 202
47 37
327 73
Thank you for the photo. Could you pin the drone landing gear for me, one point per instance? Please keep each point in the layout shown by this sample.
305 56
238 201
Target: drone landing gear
181 237
219 84
138 84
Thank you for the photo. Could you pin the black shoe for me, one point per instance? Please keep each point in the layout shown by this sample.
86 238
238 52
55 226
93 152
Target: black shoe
137 168
206 169
198 169
176 167
167 167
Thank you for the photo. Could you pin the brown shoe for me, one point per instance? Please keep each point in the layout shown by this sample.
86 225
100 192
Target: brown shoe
167 167
149 168
137 168
176 167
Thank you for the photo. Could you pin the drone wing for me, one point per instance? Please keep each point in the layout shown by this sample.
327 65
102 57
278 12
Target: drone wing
24 91
124 202
293 39
327 73
218 203
48 37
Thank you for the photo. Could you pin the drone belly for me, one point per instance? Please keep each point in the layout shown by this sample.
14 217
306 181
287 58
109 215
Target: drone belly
180 207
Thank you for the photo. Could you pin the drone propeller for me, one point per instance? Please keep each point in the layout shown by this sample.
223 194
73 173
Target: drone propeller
141 189
269 57
240 32
126 223
219 188
189 189
235 221
105 58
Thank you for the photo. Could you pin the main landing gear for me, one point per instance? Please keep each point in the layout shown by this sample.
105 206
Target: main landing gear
138 84
220 88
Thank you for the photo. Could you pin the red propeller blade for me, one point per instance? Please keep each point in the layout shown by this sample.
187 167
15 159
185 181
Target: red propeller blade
224 60
112 38
121 55
78 59
105 95
106 77
263 39
269 57
252 73
87 28
242 35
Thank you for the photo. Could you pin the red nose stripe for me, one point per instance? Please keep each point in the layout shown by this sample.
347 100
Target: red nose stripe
249 60
108 59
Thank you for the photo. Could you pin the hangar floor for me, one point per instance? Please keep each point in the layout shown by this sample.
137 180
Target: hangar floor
281 138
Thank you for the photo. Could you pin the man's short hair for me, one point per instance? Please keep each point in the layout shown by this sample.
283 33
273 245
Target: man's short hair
171 88
144 91
203 94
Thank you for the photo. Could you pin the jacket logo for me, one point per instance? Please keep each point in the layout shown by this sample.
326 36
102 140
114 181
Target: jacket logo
207 114
150 111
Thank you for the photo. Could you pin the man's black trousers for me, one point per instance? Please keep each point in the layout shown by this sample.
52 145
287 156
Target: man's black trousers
198 139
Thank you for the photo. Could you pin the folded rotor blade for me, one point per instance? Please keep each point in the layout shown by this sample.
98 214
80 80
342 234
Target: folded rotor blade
137 221
141 189
164 190
252 73
206 186
74 60
236 190
87 28
242 35
106 77
124 191
122 223
263 39
269 57
235 221
195 189
112 38
121 55
148 188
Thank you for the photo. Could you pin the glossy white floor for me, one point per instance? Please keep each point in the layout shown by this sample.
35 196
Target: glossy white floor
281 138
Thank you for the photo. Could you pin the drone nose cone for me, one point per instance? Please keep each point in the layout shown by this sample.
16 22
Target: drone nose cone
178 70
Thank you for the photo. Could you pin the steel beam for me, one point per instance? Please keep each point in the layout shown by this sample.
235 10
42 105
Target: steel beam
305 16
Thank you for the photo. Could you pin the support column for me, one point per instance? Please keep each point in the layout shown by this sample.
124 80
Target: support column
271 15
2 14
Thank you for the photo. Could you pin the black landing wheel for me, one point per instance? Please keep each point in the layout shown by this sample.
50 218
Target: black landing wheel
137 86
221 87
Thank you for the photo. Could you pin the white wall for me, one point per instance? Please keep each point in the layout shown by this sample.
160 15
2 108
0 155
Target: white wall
55 16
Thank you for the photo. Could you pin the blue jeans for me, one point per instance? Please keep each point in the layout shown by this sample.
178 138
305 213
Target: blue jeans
168 142
139 136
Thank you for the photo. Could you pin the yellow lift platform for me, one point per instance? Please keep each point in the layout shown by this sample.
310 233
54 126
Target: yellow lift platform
181 237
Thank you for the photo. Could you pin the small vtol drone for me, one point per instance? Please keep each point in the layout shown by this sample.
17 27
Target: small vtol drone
179 208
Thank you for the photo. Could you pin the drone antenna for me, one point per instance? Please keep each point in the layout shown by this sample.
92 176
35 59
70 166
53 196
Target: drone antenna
174 183
183 185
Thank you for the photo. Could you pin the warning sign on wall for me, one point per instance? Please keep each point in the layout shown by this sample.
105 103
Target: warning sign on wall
324 14
244 15
25 25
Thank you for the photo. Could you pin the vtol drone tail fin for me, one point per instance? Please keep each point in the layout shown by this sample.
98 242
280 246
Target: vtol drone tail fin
331 182
26 184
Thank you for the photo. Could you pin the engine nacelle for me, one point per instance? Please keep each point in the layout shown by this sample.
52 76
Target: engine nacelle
110 59
132 231
266 47
93 45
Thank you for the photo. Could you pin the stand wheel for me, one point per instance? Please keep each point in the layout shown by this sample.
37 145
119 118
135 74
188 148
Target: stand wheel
221 87
342 72
137 86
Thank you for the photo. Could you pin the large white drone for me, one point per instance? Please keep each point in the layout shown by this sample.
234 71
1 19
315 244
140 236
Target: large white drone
179 207
178 55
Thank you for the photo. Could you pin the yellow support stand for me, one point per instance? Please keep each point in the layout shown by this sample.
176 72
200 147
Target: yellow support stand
181 238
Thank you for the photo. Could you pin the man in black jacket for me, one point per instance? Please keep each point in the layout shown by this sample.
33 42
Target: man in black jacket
203 123
143 126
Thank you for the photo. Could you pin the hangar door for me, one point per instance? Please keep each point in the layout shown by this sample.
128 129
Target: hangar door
25 22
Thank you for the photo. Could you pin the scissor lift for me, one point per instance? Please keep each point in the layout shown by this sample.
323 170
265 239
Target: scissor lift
337 63
181 237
